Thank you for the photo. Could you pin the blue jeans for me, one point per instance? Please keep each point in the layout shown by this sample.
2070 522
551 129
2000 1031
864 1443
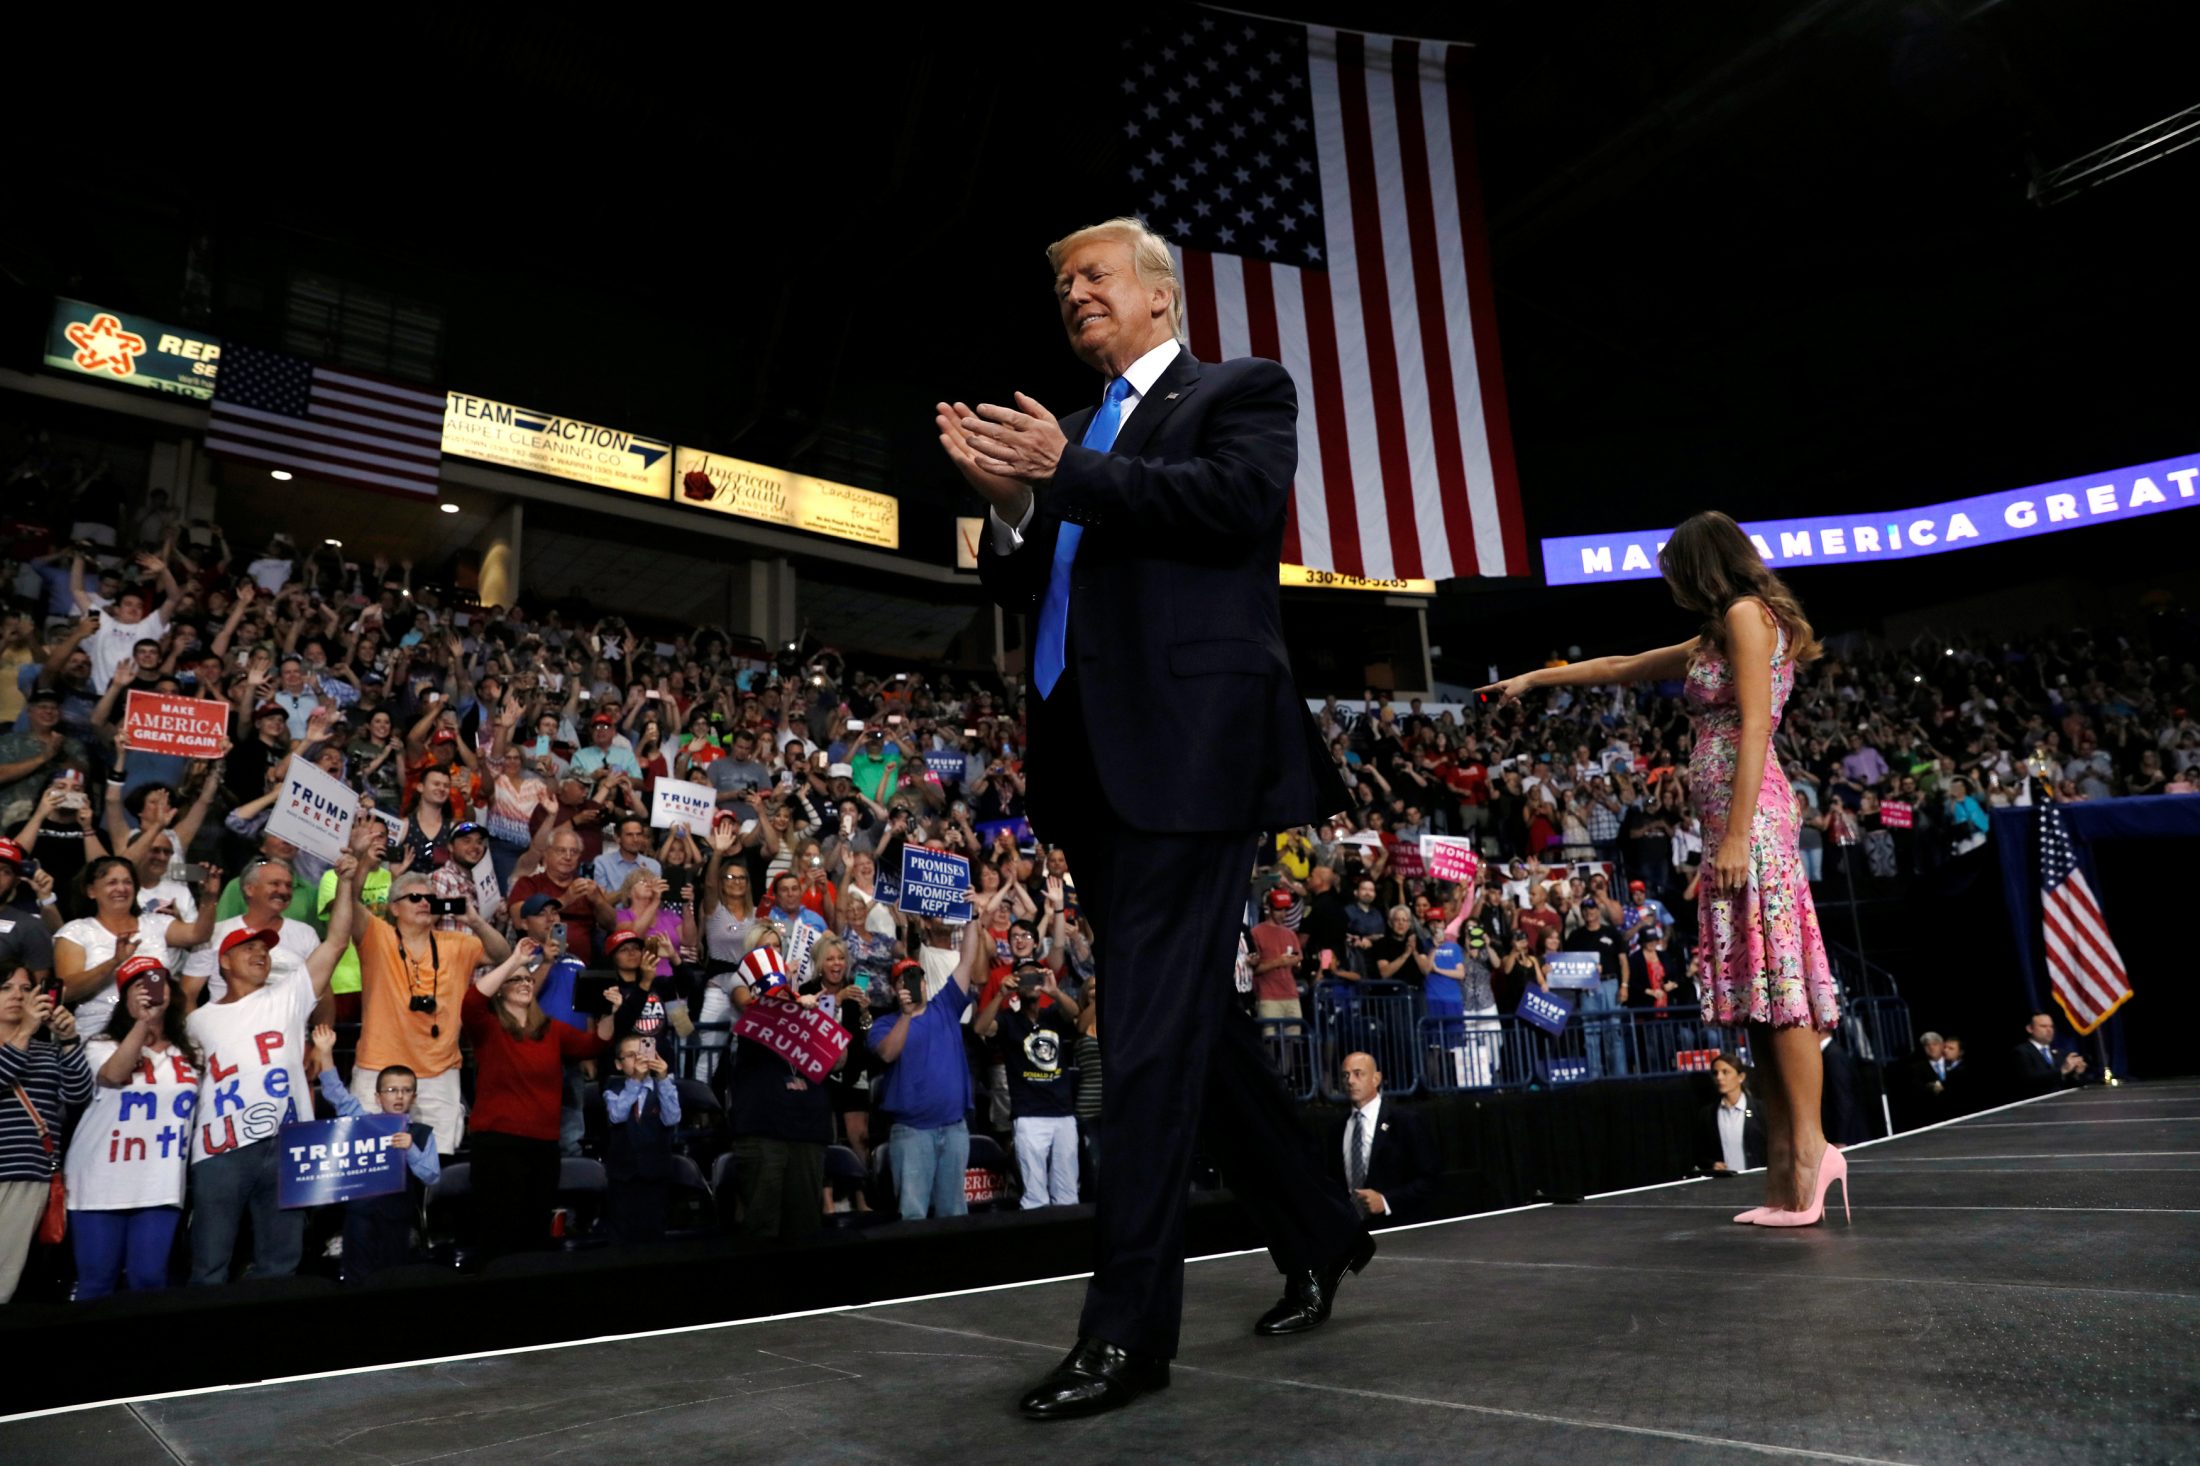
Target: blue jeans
119 1246
1602 1042
223 1188
928 1170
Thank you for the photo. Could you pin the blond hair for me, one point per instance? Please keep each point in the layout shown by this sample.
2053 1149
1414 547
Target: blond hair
1150 257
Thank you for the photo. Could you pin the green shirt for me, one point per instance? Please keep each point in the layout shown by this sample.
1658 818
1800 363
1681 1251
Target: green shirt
877 777
375 895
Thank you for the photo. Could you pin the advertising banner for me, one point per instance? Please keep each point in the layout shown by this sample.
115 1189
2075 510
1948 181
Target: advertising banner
315 811
188 727
969 535
1898 534
131 351
791 500
324 1161
563 447
672 802
934 883
804 1037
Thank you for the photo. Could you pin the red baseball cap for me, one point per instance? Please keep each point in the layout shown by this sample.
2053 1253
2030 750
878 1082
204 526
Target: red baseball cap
266 935
269 709
1637 886
11 853
619 939
1279 899
138 967
604 720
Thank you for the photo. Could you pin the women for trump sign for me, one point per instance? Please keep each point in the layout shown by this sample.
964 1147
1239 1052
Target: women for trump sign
804 1037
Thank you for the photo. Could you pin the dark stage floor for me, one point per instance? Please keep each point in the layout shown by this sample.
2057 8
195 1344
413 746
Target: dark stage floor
2023 1286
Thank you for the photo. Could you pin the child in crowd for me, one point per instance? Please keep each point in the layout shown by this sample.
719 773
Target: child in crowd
643 1105
378 1230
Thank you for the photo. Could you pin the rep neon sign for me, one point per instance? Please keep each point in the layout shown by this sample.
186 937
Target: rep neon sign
1934 529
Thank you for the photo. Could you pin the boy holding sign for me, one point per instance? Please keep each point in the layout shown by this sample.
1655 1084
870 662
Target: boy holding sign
378 1230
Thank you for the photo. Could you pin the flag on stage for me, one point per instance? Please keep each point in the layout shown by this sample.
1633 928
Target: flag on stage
2083 964
288 413
1320 190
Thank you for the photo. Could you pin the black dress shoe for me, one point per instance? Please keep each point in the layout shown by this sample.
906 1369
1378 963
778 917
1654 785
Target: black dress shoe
1096 1376
1308 1295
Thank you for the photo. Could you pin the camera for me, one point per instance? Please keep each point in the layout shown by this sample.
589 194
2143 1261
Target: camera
422 1003
447 906
392 852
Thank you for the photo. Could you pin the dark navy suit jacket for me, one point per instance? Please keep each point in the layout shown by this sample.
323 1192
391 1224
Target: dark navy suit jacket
1175 624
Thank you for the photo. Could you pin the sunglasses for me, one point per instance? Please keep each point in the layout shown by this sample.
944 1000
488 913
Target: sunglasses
413 896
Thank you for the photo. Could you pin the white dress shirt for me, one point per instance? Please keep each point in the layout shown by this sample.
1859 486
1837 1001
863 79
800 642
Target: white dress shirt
1141 374
1373 1111
1731 1120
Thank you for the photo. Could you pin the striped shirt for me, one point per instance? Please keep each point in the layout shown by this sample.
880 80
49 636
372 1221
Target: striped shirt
57 1081
1088 1077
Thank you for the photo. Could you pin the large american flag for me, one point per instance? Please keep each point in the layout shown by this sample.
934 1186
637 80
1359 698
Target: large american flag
288 413
1319 188
2082 963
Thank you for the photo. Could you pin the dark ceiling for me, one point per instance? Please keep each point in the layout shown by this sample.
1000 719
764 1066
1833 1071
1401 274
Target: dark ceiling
1773 257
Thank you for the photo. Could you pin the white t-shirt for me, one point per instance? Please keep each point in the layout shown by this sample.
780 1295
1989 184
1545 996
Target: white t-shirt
111 645
252 1052
170 898
133 1144
99 946
298 939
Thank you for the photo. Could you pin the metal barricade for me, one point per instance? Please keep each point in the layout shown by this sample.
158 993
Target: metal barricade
1878 1029
1291 1049
704 1048
1381 1019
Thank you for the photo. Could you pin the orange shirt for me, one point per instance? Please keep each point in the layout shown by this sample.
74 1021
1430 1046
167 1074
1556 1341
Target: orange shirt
389 1031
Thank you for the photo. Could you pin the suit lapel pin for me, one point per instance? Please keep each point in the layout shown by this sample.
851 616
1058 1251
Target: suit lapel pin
1170 398
1385 1126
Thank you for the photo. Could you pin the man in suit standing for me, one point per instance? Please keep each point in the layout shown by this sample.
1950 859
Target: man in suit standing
2040 1067
1141 536
1383 1155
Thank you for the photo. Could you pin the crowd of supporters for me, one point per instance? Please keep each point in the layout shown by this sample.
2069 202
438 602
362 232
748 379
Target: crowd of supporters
512 956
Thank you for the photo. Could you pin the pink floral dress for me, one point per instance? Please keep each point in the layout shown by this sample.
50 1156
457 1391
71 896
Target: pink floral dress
1760 957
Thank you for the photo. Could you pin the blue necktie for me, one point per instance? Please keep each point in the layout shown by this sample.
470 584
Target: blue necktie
1050 656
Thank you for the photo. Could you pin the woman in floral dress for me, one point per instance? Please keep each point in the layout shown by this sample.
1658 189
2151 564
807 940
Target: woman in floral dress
1761 960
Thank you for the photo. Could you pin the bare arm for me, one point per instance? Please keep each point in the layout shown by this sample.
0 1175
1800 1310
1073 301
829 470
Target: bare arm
1658 665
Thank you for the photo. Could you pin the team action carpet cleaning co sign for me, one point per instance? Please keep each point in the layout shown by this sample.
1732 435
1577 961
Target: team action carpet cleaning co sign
1848 539
795 500
131 351
562 447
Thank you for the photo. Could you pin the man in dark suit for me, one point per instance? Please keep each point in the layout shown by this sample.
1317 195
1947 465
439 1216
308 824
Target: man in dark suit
2040 1066
1141 537
1383 1154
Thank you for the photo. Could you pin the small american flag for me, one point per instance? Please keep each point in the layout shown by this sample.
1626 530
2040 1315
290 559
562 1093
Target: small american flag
1320 190
2083 964
286 412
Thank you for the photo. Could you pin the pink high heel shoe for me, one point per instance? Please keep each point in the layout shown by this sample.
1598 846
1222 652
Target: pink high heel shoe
1832 1167
1752 1214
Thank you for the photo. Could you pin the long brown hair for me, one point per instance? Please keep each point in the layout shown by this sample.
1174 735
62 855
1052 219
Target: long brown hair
1710 564
536 1021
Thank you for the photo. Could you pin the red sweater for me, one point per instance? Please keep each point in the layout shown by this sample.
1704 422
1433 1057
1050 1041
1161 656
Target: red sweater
519 1083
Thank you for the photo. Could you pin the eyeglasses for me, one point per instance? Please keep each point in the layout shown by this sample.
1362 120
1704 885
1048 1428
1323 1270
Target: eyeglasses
413 896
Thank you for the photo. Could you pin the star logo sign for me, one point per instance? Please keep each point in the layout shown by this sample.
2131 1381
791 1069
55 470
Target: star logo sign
103 346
